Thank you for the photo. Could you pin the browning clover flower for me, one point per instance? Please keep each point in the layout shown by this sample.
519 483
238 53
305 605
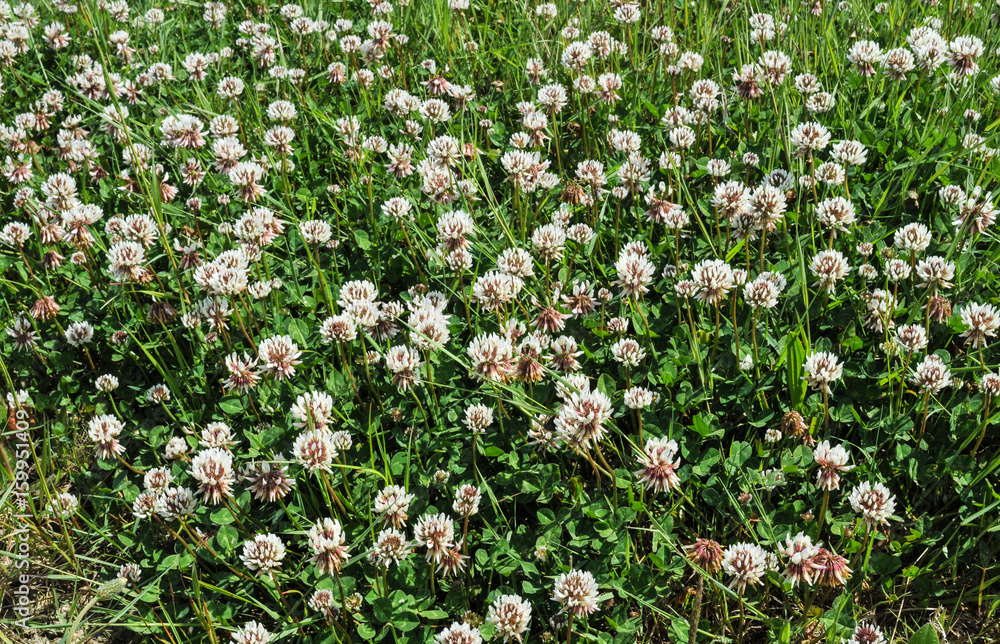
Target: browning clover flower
104 430
323 601
326 540
864 55
467 499
809 137
313 410
865 633
706 553
659 465
801 555
404 362
581 419
912 238
836 213
831 569
911 338
935 273
832 461
269 480
213 469
280 356
761 293
174 503
491 357
242 373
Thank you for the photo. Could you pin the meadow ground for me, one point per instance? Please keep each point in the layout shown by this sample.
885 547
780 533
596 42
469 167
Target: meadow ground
487 320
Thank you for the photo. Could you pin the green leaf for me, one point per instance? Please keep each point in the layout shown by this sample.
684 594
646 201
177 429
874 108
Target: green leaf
382 609
434 613
739 453
606 385
299 331
231 404
227 537
711 497
786 633
222 516
926 635
795 353
884 564
362 239
705 425
406 621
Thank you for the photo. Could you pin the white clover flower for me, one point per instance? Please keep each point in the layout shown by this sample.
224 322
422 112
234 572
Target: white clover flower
873 502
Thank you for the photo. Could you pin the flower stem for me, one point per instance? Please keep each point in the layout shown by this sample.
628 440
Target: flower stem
923 423
982 432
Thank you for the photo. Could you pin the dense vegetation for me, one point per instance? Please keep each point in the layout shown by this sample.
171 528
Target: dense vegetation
489 321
